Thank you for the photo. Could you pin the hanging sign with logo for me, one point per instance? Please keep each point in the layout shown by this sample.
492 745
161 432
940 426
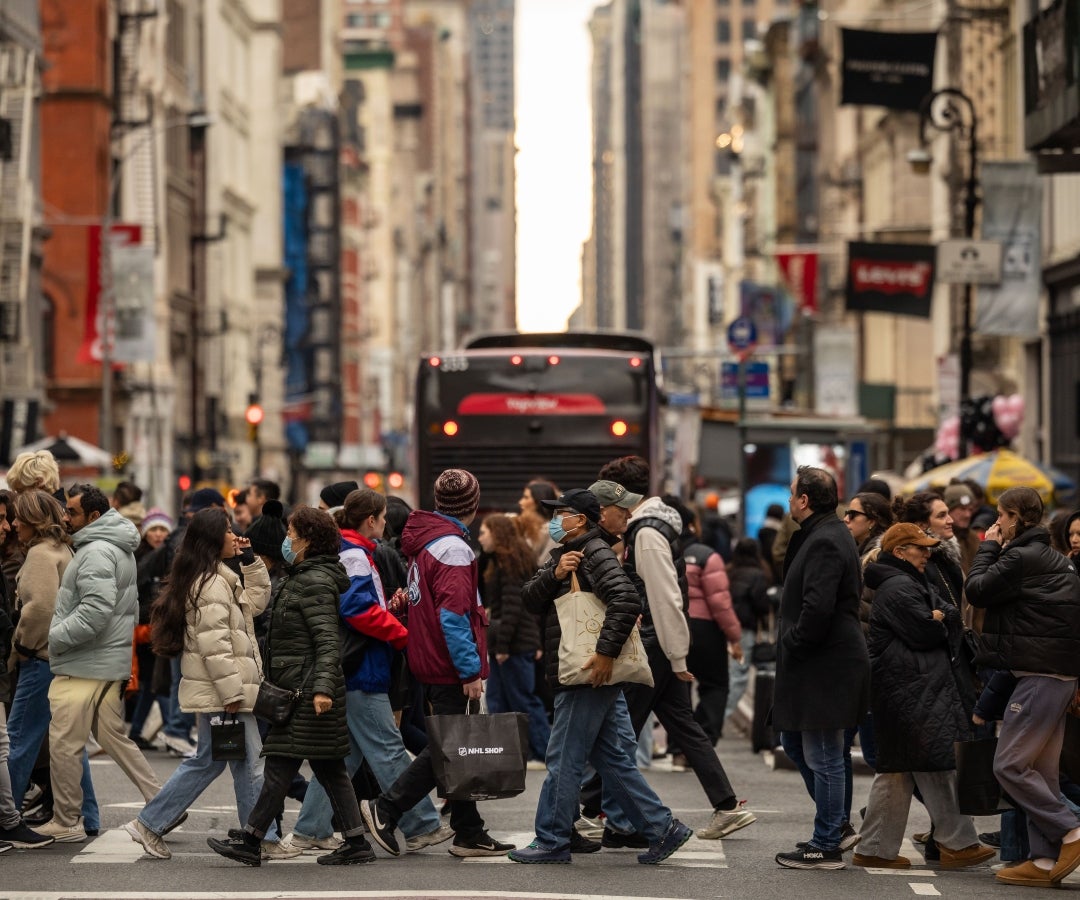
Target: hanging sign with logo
894 69
98 280
890 278
800 271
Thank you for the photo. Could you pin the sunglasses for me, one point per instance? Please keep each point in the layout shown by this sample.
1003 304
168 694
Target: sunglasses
852 513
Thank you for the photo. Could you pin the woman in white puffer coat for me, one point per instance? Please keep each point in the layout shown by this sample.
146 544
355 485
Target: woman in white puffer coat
207 616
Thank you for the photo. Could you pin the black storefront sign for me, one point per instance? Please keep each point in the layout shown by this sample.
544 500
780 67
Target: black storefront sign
894 69
890 278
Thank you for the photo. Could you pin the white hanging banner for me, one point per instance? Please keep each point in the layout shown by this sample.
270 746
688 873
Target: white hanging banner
835 377
133 302
1012 214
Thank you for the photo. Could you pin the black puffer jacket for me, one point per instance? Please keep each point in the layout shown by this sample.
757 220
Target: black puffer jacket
945 575
1031 594
749 595
303 637
600 573
920 701
511 628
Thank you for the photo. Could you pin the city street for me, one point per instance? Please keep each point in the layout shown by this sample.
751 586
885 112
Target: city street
741 866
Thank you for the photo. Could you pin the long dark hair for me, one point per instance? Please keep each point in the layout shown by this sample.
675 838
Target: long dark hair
196 562
877 509
1026 504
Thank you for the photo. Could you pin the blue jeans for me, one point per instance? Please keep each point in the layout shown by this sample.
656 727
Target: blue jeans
510 689
819 756
195 775
590 726
739 672
178 723
27 726
373 736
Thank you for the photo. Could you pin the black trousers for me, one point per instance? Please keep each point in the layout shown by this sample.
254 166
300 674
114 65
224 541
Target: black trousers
669 698
278 773
416 782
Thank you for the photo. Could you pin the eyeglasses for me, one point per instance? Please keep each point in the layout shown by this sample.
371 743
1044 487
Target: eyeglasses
852 513
917 547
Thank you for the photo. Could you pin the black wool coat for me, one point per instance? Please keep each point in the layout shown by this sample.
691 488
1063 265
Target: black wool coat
304 645
822 668
600 573
919 696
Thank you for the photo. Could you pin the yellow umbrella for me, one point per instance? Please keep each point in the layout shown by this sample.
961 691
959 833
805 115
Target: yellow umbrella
996 472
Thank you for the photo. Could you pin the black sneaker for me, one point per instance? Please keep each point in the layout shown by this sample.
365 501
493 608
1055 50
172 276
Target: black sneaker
22 837
581 844
676 835
381 831
349 854
614 840
39 816
991 839
482 844
4 846
241 851
809 857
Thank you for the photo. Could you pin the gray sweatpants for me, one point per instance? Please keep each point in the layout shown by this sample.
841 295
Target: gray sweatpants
1028 756
887 812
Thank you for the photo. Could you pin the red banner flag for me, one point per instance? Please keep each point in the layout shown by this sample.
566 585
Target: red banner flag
799 271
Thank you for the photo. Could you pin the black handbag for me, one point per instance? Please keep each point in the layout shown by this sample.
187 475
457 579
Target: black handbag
227 739
275 704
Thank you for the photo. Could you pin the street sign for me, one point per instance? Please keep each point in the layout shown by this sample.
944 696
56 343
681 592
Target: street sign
742 334
757 381
969 262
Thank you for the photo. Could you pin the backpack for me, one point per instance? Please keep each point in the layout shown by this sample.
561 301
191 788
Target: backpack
648 631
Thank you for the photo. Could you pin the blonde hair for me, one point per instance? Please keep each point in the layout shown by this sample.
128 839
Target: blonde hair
34 471
44 514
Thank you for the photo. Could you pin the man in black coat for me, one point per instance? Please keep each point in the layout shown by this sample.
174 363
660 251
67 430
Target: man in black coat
822 667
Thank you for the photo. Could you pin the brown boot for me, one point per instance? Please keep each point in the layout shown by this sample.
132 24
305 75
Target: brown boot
1027 874
974 855
880 862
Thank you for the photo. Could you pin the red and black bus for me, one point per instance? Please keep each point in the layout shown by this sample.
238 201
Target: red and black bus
513 407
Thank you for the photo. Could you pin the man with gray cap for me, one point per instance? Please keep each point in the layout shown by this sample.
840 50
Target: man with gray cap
962 507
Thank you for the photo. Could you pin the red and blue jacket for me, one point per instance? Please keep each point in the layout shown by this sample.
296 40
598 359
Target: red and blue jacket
363 608
447 623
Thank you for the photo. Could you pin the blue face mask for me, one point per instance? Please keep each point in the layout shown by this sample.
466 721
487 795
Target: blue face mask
287 551
555 529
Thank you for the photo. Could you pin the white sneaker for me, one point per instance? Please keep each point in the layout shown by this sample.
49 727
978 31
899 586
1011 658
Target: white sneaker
726 821
299 842
63 834
179 746
151 843
278 850
418 842
590 828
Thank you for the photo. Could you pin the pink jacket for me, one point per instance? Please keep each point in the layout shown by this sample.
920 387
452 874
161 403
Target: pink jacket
710 596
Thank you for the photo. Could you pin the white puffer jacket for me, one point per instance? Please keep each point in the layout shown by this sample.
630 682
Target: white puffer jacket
221 662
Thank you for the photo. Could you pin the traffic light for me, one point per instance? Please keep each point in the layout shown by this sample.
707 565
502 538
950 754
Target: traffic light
253 416
373 480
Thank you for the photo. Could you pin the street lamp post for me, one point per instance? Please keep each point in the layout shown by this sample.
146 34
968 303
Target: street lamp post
950 110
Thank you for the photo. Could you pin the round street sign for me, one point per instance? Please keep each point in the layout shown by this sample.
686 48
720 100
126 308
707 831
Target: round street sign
742 334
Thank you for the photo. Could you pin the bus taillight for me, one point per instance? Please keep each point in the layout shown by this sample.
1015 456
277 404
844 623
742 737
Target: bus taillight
515 360
450 428
619 428
434 362
553 360
635 362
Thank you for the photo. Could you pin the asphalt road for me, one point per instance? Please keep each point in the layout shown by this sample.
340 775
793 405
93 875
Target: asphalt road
740 866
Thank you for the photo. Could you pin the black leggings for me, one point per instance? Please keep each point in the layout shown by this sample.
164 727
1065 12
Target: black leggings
278 773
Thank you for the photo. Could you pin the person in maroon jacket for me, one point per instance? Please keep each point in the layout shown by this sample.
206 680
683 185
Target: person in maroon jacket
447 653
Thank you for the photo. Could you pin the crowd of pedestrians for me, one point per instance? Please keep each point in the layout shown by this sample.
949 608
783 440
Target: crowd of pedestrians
907 625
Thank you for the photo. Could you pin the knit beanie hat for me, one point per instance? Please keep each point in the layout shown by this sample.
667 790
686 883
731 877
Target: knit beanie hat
334 495
267 531
156 518
457 493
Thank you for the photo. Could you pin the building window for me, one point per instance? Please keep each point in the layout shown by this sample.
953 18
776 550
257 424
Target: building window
723 70
723 31
355 20
749 30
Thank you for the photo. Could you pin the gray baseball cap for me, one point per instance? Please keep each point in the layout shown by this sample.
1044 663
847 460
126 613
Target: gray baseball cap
610 493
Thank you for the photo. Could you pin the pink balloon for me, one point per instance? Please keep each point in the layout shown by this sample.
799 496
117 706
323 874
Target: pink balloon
1016 405
999 405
